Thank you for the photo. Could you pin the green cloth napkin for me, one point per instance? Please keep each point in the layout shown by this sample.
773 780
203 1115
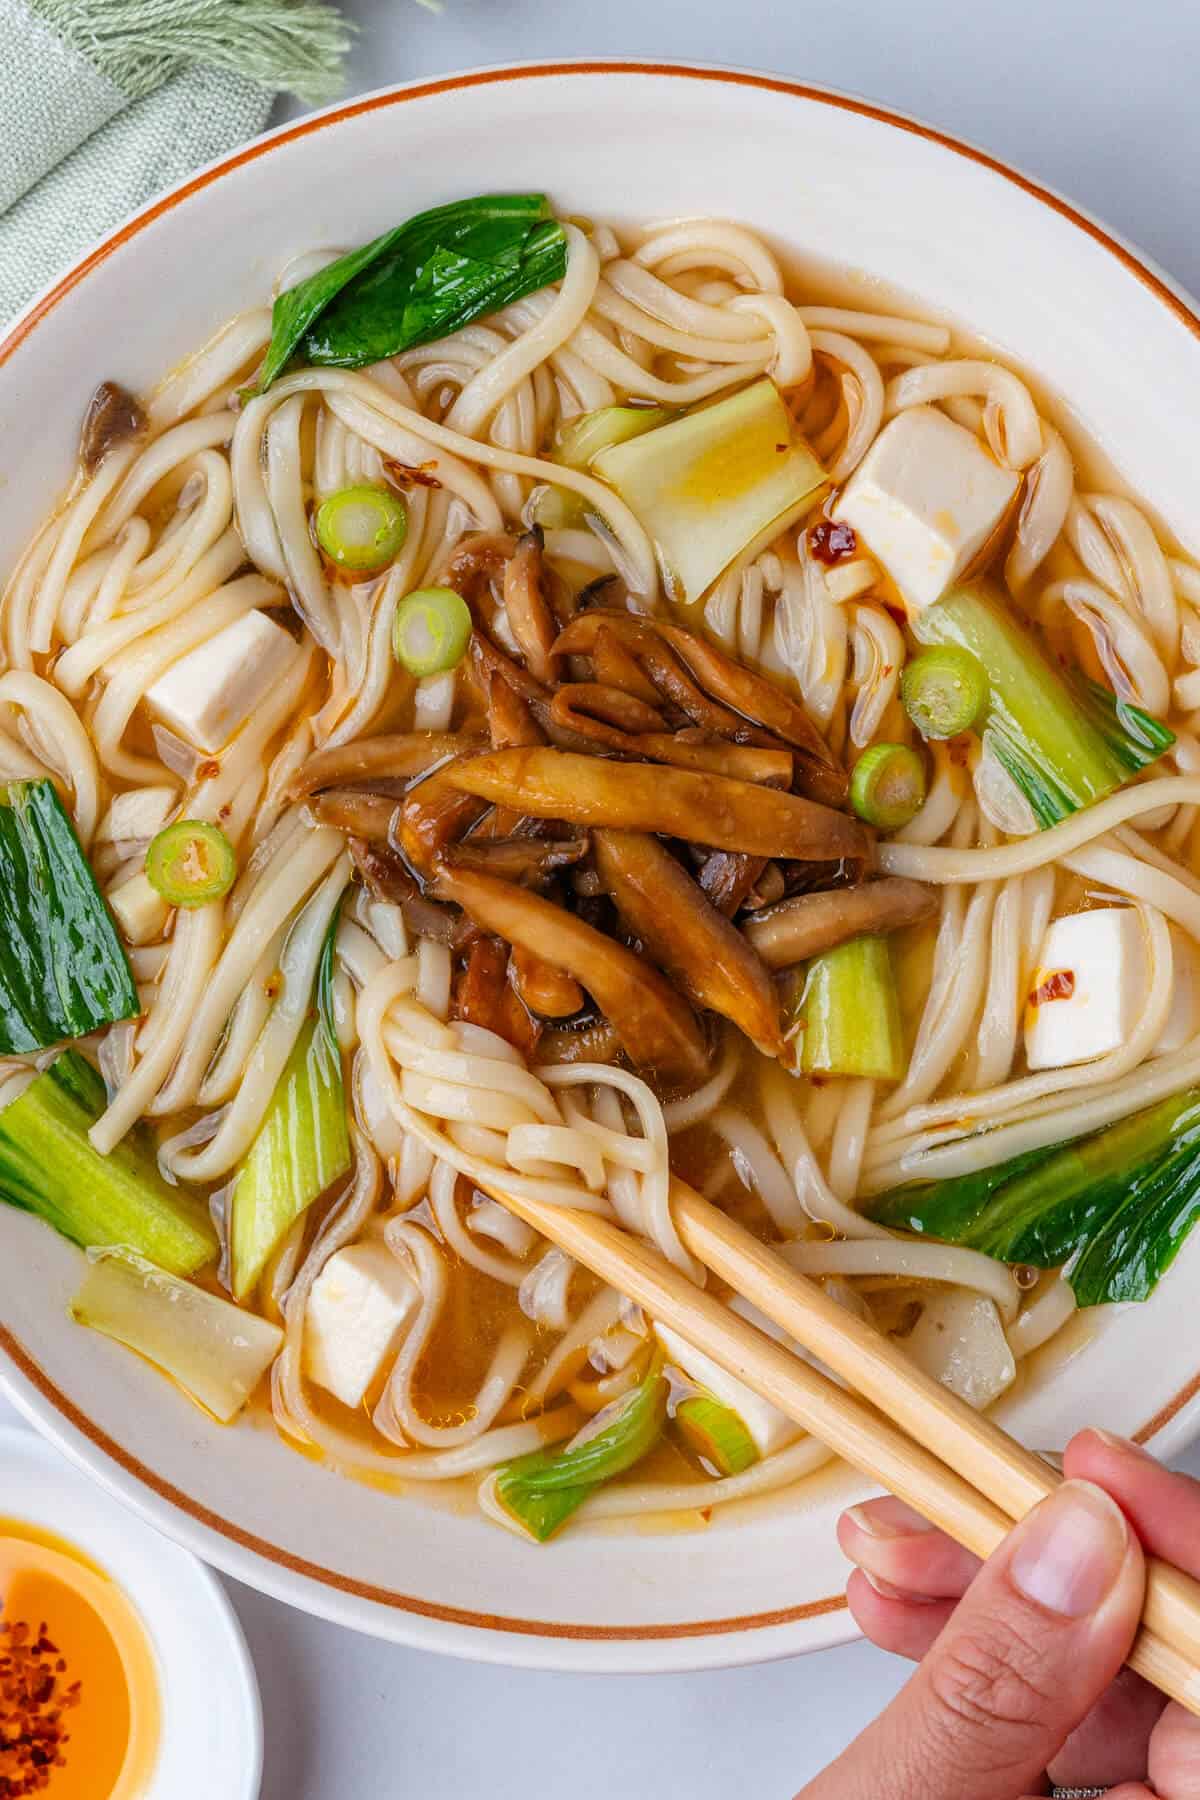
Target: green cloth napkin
104 103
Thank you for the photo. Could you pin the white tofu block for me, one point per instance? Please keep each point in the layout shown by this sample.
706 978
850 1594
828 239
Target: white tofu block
140 813
1103 956
140 910
925 500
360 1306
770 1428
207 696
1098 960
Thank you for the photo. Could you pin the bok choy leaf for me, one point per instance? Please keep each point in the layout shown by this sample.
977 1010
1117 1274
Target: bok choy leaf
62 969
539 1492
48 1167
216 1352
424 279
303 1144
1114 1208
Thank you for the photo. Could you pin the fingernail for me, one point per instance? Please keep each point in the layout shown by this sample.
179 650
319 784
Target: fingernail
887 1519
1070 1550
1125 1445
894 1593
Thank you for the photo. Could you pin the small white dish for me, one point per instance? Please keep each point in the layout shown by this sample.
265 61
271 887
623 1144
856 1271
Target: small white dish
211 1718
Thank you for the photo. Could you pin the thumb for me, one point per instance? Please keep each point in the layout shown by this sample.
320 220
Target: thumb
1042 1630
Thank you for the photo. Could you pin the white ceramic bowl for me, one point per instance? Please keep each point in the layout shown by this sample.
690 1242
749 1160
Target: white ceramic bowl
893 201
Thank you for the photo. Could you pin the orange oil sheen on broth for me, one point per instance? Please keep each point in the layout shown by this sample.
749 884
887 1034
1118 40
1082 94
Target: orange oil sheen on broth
79 1697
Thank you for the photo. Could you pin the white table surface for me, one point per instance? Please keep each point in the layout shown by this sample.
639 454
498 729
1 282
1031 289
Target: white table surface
1080 93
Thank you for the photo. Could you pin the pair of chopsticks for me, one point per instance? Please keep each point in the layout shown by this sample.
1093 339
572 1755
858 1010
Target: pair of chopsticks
953 1465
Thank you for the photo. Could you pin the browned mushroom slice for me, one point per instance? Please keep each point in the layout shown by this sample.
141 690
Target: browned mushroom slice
657 1028
529 616
383 872
595 1042
483 995
742 762
615 667
114 415
708 956
529 860
511 725
478 563
360 814
799 928
545 990
402 755
663 668
727 877
577 703
433 815
683 803
761 700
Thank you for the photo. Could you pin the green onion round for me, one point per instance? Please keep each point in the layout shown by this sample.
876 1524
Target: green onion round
362 528
944 691
191 863
887 785
430 631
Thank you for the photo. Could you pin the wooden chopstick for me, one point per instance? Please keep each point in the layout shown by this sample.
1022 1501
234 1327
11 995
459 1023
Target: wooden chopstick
1010 1475
850 1427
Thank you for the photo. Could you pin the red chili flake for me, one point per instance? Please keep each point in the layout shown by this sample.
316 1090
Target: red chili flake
1058 986
33 1734
959 749
831 542
407 475
208 771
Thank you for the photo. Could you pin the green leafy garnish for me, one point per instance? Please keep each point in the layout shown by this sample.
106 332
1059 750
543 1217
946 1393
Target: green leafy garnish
48 1167
1113 1207
426 278
542 1490
63 971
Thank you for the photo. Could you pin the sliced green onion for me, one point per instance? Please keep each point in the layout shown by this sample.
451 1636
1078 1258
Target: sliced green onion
557 509
887 785
542 1490
944 691
848 1017
431 630
586 436
191 863
716 1434
362 528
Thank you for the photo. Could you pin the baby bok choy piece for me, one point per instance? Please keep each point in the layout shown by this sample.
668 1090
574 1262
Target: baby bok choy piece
846 1017
302 1146
539 1492
426 278
216 1352
63 972
1064 740
716 1434
48 1167
709 484
1113 1207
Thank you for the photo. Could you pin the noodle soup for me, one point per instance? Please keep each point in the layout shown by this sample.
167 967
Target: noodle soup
554 710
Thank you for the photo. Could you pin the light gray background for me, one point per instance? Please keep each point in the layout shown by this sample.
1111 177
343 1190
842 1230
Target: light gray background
1093 96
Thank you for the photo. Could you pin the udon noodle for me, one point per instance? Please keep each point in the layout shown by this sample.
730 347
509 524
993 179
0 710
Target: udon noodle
203 517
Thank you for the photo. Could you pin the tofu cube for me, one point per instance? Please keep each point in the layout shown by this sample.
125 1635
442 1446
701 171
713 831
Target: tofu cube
140 910
1087 987
208 695
136 815
925 500
770 1428
361 1304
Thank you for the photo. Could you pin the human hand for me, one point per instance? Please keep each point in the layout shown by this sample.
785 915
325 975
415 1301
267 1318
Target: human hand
1020 1681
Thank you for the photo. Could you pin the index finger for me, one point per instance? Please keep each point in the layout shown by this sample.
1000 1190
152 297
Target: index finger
1163 1508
